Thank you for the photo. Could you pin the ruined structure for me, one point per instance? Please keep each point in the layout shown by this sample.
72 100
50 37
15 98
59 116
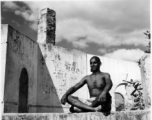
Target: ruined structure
146 79
36 74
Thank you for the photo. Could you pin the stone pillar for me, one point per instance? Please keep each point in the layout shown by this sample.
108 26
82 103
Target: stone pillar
46 26
146 79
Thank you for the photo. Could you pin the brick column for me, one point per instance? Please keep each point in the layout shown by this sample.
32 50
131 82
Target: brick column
46 26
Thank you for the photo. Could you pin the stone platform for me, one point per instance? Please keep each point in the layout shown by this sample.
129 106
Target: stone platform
130 115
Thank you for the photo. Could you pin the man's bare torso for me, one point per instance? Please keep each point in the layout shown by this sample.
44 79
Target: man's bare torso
96 83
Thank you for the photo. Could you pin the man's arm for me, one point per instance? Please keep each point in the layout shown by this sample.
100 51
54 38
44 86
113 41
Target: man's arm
73 89
109 84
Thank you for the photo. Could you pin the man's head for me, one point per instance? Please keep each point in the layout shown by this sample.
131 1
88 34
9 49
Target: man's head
95 64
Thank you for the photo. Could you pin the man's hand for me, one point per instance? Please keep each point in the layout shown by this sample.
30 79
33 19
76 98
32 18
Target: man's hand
102 97
64 99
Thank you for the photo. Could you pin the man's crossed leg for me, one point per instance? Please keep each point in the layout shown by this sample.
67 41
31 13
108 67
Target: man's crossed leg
78 105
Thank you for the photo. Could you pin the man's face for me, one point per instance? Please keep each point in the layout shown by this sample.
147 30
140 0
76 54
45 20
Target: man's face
94 64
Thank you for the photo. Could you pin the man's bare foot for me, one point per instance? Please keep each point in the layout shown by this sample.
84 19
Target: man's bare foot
98 109
72 109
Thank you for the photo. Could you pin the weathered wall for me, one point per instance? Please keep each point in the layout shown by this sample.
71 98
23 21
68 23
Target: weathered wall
21 53
133 115
52 71
58 70
119 70
4 32
146 79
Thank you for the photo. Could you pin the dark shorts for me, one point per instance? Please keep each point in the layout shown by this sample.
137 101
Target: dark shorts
106 107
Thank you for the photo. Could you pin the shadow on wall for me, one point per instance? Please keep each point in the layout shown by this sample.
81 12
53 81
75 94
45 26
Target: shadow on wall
47 97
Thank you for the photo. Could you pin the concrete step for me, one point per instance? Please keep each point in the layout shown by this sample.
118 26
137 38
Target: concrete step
130 115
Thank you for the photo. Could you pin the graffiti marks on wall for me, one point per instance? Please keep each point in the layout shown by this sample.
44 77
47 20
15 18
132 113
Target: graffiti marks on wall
67 66
72 67
57 57
66 72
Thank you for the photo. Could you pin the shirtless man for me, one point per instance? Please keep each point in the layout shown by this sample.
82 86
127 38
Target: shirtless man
99 85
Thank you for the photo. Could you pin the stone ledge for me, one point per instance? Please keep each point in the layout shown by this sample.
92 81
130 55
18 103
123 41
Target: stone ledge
129 115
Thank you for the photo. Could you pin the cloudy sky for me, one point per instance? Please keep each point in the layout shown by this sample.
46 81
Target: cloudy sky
111 28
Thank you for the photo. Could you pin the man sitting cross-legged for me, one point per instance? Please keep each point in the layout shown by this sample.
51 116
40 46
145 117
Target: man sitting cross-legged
99 85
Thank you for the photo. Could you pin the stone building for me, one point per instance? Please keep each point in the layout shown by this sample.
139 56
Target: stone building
35 74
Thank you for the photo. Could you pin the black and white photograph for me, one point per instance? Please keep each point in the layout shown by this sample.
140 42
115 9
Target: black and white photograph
75 60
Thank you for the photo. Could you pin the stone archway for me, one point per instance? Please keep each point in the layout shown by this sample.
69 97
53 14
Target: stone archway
23 92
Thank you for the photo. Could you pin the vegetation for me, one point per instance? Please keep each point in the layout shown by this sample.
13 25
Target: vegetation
148 36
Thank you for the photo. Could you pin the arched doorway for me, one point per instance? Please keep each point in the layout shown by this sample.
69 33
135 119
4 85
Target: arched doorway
23 92
119 102
120 92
